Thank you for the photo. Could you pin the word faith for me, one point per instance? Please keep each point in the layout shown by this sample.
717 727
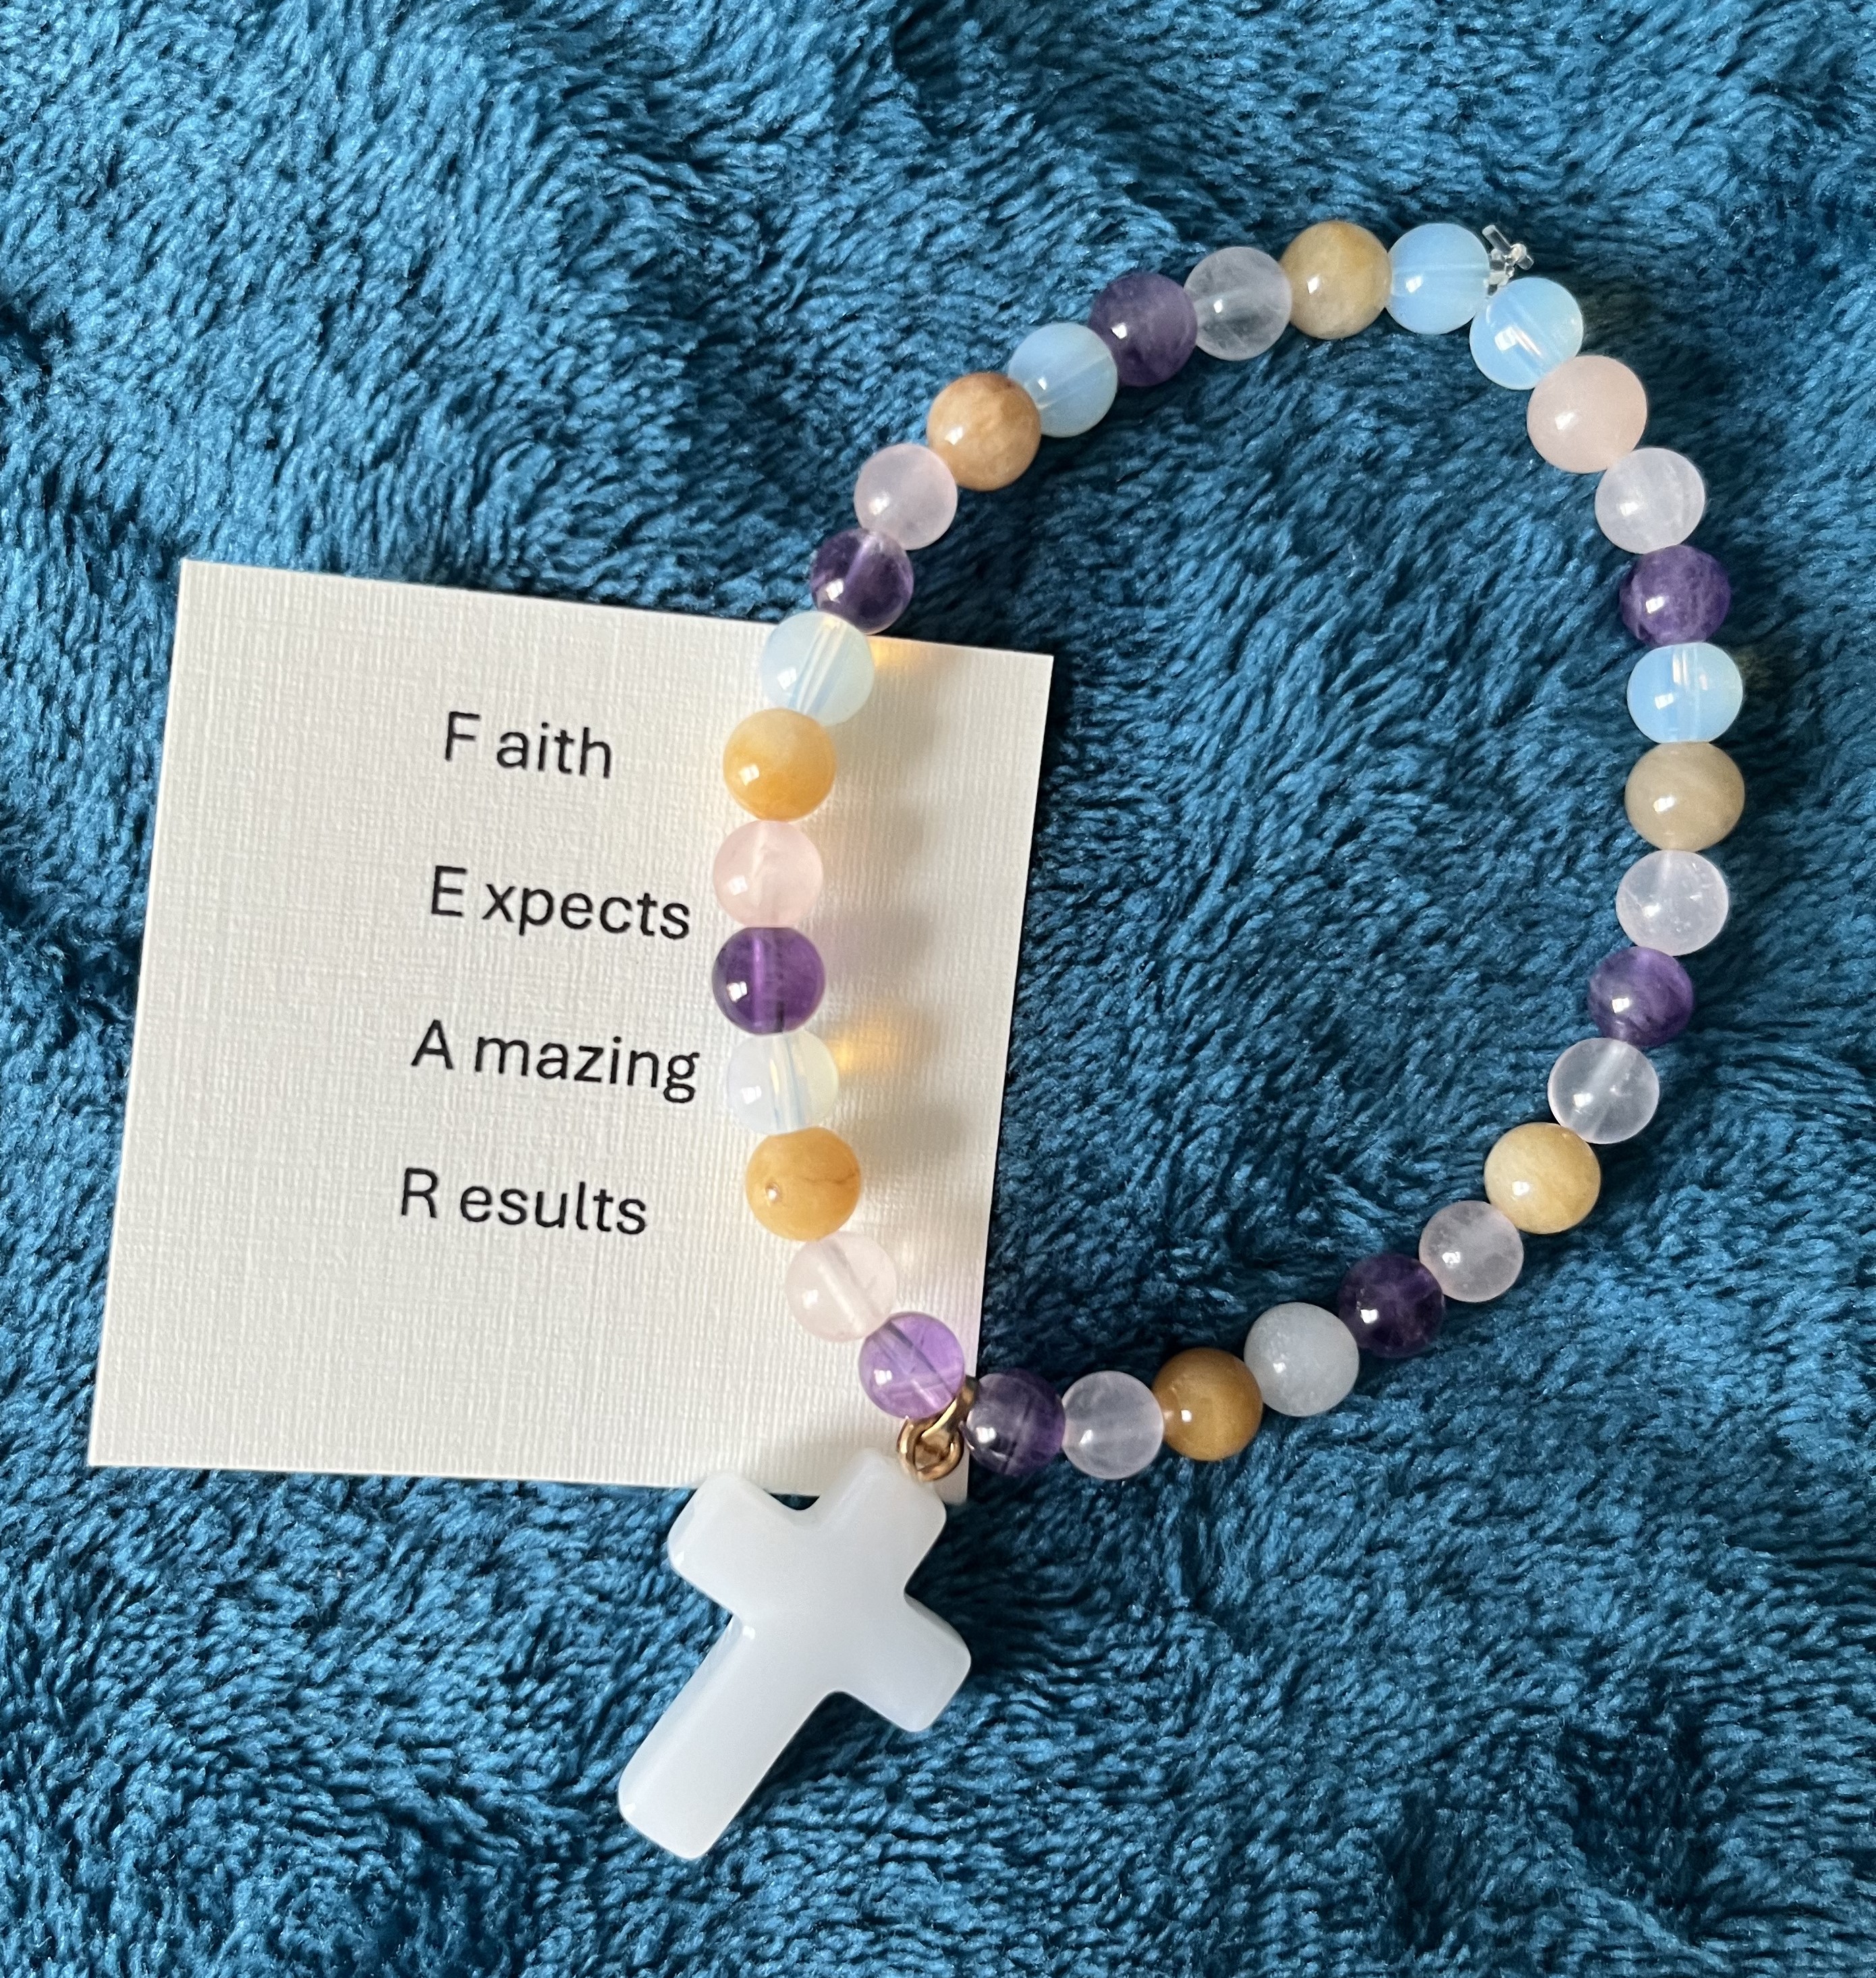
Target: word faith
561 751
819 1604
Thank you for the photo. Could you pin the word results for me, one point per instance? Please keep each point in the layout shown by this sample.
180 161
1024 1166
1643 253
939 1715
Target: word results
603 1212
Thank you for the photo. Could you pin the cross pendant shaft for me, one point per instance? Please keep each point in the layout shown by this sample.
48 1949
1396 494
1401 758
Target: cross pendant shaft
818 1604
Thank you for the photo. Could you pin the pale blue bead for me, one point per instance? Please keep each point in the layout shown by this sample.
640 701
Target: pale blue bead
1684 693
1442 275
781 1082
817 665
1069 373
1528 329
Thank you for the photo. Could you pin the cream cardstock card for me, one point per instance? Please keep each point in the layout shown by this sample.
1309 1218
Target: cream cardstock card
426 1165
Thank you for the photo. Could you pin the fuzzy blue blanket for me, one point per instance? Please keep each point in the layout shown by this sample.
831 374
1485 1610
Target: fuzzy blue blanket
1549 1651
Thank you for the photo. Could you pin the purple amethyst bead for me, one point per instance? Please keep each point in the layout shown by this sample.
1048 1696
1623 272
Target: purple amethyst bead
912 1366
768 979
1149 323
1675 597
1641 996
1393 1305
1016 1424
862 577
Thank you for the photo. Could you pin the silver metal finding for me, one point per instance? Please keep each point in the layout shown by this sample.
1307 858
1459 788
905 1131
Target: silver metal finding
1507 257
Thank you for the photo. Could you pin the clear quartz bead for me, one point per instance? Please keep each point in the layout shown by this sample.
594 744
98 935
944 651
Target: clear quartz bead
1242 300
781 1082
1473 1250
1114 1425
1604 1090
1304 1359
843 1287
1675 902
1651 499
905 492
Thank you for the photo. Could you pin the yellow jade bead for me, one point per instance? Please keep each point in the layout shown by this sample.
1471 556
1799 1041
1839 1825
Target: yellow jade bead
779 764
1339 278
1586 415
803 1186
1543 1178
1211 1403
1684 796
986 429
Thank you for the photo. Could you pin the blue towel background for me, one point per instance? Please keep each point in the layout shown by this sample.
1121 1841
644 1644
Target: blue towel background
1550 1651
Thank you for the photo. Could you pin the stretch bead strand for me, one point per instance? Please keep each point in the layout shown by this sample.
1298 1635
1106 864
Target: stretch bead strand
1586 414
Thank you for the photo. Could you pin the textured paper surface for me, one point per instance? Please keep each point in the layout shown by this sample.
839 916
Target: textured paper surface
269 1305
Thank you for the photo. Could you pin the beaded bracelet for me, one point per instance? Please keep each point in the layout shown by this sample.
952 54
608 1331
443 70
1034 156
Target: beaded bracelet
1586 415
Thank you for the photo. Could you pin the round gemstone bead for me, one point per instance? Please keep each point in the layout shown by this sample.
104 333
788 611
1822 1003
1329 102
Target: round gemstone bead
1649 500
905 492
1148 322
1071 374
911 1366
766 874
1472 1250
1303 1359
779 764
986 429
842 1287
1339 278
1112 1425
1684 796
1526 330
1241 298
1441 278
1586 414
863 577
1675 901
1392 1305
1542 1177
1685 693
768 979
1641 996
818 665
1675 596
779 1083
1015 1424
803 1186
1210 1404
1604 1090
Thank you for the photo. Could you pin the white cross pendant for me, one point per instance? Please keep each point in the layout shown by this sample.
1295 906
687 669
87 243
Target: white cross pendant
818 1604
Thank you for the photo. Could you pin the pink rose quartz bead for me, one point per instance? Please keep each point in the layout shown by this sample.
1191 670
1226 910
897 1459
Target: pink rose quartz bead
766 874
1586 414
906 492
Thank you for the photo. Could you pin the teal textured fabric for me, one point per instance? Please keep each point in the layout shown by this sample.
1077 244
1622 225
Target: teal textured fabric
1549 1651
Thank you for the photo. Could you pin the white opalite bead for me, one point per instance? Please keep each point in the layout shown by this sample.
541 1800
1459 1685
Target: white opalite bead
781 1082
1676 901
905 492
1687 692
1302 1358
843 1287
1473 1250
1114 1425
1651 499
817 665
1604 1090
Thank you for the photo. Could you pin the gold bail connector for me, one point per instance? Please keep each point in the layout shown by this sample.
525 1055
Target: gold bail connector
931 1449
